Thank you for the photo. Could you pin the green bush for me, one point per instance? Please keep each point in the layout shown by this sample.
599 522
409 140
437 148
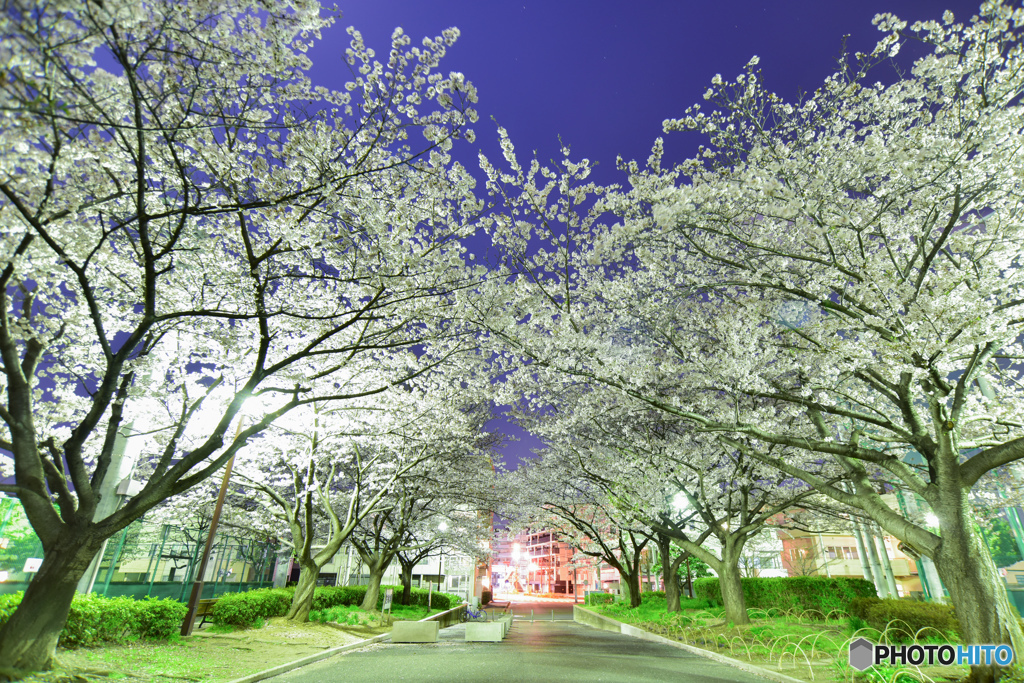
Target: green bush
326 597
8 603
94 619
905 618
441 601
249 608
816 594
159 619
651 595
600 598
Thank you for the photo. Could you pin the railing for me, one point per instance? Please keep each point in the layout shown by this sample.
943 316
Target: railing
448 617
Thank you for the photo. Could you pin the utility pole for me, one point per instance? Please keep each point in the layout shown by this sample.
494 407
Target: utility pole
197 585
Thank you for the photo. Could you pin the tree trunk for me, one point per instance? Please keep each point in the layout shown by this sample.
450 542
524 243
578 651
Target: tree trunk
671 578
631 586
730 583
406 598
670 573
302 600
373 588
976 591
29 639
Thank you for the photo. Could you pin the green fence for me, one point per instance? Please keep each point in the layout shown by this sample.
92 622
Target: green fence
158 560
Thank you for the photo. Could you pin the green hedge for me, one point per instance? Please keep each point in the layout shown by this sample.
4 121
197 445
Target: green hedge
249 608
819 594
94 619
905 618
600 599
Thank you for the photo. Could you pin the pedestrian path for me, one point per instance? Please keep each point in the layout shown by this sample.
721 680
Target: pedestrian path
545 651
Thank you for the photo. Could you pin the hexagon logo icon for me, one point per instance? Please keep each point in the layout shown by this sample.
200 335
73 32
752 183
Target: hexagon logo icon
862 654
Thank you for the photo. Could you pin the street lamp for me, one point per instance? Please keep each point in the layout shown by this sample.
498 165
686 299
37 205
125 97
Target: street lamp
442 527
516 549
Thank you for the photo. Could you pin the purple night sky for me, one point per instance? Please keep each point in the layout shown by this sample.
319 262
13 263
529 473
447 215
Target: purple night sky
604 75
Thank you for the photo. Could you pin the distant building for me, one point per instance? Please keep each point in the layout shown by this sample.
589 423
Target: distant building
838 555
533 562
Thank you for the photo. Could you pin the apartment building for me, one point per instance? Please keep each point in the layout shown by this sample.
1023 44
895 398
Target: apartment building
533 562
839 555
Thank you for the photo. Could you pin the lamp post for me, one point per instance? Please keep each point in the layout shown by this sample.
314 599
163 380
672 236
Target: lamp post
515 563
443 526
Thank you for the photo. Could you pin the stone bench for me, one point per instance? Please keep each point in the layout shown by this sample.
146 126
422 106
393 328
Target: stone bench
488 631
415 632
484 631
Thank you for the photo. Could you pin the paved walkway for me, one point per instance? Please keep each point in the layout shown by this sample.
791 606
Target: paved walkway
537 609
542 651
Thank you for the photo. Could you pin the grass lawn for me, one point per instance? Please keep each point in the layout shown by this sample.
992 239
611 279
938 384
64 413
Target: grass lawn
793 644
217 653
353 615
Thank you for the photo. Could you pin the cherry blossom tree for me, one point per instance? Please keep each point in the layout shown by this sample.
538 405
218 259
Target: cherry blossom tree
545 494
709 499
366 473
869 236
838 276
322 476
189 222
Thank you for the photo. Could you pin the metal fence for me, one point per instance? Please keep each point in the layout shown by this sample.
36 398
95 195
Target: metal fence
145 559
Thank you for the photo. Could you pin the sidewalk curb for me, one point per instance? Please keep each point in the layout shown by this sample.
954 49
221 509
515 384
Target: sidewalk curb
629 630
310 659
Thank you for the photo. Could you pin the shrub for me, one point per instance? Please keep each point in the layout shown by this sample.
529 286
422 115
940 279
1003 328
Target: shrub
905 618
651 595
600 599
326 597
8 603
249 608
158 619
817 594
94 619
441 601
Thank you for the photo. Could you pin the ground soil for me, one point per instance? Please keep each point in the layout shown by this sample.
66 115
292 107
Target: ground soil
204 656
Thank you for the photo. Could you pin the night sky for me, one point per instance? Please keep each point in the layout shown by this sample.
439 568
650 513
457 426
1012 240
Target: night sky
604 75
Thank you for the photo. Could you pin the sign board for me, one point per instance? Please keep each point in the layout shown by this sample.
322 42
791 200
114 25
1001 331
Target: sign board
32 565
388 594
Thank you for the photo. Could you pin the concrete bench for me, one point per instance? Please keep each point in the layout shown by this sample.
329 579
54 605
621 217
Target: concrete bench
488 631
484 631
415 632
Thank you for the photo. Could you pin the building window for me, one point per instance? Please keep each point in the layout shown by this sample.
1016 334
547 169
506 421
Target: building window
850 553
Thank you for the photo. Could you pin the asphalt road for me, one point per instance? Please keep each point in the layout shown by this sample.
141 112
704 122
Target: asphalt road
544 651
